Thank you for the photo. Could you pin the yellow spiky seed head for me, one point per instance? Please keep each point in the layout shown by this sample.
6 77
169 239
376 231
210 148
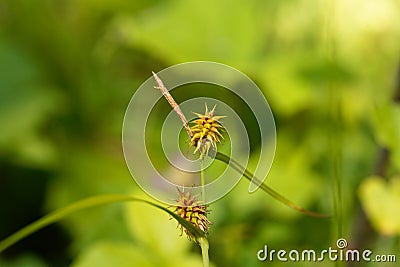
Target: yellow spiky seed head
206 132
192 210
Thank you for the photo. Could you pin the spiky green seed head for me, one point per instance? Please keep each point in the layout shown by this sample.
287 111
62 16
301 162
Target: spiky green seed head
192 210
206 132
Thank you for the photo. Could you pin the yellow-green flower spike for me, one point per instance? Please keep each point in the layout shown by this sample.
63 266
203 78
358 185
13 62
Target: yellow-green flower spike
192 211
206 132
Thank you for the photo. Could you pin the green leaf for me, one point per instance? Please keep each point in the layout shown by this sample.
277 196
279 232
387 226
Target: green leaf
249 176
84 204
381 201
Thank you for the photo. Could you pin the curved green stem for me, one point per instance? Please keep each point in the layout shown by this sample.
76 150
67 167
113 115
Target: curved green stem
249 176
84 204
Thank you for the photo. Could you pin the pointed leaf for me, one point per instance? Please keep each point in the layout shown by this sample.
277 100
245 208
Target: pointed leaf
249 176
84 204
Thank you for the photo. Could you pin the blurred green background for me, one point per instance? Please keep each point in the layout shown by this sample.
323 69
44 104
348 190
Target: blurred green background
328 69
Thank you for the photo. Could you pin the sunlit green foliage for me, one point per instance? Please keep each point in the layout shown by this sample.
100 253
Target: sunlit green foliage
68 69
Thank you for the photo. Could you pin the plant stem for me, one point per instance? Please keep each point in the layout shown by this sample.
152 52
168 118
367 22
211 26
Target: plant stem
90 202
204 250
249 176
172 102
202 180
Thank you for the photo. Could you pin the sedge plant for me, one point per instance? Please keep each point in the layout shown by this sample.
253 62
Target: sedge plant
189 211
